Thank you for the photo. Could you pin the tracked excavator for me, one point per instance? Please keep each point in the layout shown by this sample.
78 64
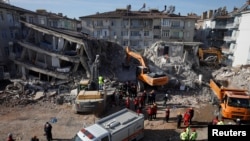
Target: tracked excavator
210 56
144 75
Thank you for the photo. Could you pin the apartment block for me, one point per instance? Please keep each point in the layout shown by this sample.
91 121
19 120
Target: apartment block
12 30
140 29
228 31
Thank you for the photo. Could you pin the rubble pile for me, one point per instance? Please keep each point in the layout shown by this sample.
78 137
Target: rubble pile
173 66
192 98
238 77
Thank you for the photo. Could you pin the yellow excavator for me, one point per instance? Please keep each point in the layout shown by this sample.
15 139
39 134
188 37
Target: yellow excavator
143 74
211 55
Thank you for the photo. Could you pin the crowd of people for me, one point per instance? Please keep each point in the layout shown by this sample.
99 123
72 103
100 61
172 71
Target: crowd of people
144 103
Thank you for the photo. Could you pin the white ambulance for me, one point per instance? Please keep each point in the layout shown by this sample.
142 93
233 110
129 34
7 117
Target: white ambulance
124 125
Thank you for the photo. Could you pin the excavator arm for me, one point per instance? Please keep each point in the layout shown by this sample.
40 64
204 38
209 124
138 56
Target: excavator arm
144 75
137 56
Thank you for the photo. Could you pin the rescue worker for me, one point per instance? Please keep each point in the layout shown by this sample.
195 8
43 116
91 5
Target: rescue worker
136 103
188 130
191 113
150 112
184 135
179 119
165 99
141 99
127 103
153 96
167 114
193 136
238 122
186 118
10 137
215 120
145 97
48 131
100 82
221 122
139 109
154 110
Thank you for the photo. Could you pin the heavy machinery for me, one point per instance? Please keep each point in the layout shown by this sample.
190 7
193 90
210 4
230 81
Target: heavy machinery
210 56
143 74
234 103
89 98
124 125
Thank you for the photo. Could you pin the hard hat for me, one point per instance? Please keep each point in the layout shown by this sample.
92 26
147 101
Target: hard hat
9 135
166 95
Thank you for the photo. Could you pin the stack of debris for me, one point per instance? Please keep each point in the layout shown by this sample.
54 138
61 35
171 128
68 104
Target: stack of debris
236 76
175 59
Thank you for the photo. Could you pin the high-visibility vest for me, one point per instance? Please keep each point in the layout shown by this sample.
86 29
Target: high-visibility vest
220 123
188 130
193 136
100 80
184 136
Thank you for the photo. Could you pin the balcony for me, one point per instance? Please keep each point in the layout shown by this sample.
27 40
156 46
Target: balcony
229 38
232 25
157 27
177 27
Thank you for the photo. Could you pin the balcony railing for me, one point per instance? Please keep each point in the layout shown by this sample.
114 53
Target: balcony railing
232 25
229 38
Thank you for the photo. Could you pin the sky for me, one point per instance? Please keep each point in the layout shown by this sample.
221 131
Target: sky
79 8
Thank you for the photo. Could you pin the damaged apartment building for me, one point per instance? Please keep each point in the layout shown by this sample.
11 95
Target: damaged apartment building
51 54
11 31
58 55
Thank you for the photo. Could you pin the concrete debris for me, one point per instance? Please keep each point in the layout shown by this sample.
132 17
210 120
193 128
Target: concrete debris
175 59
238 77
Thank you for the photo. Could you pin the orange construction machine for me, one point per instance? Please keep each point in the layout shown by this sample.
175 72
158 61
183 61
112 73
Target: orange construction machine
144 76
210 55
233 103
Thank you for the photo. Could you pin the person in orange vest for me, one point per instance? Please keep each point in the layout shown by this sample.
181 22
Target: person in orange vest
186 118
191 113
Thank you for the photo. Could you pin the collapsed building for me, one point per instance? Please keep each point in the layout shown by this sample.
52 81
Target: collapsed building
53 55
177 59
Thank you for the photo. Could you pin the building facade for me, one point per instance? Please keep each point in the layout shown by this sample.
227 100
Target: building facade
139 29
228 31
11 30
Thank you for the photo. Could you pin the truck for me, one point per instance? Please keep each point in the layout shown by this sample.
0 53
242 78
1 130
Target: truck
124 125
233 103
143 73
